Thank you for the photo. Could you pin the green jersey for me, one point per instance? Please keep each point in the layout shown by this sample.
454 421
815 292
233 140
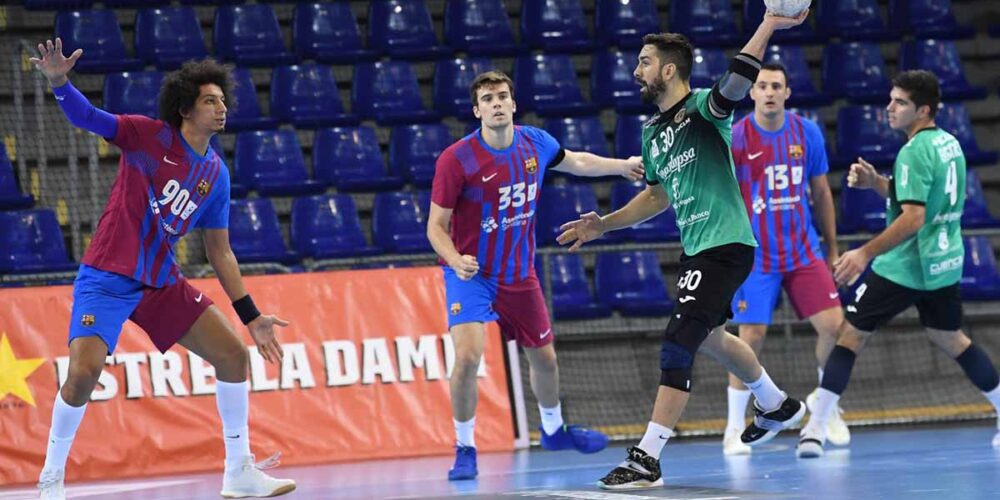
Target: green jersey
686 151
929 170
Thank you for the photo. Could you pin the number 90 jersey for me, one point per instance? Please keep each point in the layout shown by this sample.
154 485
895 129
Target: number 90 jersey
163 190
494 198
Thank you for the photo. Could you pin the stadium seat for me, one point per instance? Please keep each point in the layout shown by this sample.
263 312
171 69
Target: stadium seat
994 30
402 29
271 162
980 278
804 93
753 14
809 114
864 131
705 22
133 92
57 4
709 66
560 204
861 210
571 296
168 36
555 26
628 134
941 58
306 96
581 133
98 34
399 222
249 35
31 242
926 19
975 213
663 227
480 28
954 118
856 71
624 23
349 158
452 78
387 92
612 83
328 33
212 2
246 115
632 283
255 235
327 227
413 150
11 196
115 4
547 85
852 20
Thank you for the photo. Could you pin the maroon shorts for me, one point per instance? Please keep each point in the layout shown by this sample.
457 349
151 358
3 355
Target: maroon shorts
524 317
811 289
168 313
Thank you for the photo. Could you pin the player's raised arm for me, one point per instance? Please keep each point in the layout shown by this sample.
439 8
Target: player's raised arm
80 112
587 164
647 204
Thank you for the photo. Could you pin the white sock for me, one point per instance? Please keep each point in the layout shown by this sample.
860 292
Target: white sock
233 402
994 397
65 421
769 397
819 372
656 436
465 432
826 402
738 400
551 418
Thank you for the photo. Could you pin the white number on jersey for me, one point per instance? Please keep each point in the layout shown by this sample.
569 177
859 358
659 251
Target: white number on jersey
777 176
690 280
178 199
514 196
951 183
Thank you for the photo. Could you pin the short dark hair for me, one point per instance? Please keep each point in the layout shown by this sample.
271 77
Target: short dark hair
488 79
923 88
674 48
181 88
776 66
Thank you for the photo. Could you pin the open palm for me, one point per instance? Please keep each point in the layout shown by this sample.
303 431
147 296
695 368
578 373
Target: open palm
53 64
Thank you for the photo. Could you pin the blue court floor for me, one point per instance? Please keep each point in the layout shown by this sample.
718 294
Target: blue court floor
953 462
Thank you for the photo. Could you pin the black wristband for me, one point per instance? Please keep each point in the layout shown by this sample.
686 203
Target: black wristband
246 309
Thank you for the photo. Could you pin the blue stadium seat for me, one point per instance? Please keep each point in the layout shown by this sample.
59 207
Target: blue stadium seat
612 83
480 28
861 210
402 29
255 235
705 22
212 2
247 114
555 26
57 4
560 204
349 158
855 70
804 93
809 114
134 3
133 93
547 85
994 30
98 34
753 14
271 162
980 278
328 227
168 36
328 32
399 222
236 190
11 196
31 242
709 66
571 296
954 118
632 283
926 19
452 78
306 96
628 134
852 20
663 227
624 23
249 35
387 92
581 133
413 150
941 58
864 131
976 213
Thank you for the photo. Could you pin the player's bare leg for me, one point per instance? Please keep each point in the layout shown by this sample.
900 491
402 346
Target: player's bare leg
974 362
544 374
827 323
213 338
738 396
470 341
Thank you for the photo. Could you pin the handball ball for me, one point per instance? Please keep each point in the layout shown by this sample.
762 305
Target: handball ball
787 8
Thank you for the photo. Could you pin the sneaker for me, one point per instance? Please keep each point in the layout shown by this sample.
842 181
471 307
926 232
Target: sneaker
638 471
50 485
809 446
465 464
249 480
732 445
766 425
836 429
578 437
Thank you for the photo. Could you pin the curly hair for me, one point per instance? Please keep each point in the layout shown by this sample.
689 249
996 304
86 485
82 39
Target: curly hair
181 88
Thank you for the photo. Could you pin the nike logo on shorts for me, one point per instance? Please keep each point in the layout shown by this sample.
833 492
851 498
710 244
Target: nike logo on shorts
834 295
198 298
168 160
754 156
545 333
487 179
686 298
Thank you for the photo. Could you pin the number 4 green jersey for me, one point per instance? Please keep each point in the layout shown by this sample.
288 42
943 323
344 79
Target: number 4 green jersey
686 150
929 170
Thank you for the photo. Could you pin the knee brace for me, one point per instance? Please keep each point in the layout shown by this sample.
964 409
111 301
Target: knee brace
680 343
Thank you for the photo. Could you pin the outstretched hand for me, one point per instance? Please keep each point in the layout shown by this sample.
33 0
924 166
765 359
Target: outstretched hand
262 331
53 64
588 227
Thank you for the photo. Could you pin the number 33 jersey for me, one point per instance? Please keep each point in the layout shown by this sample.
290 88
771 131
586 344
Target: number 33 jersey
163 190
494 195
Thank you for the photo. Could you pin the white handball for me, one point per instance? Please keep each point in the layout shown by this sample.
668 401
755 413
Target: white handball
787 8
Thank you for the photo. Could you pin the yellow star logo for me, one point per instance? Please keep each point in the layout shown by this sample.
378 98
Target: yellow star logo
14 372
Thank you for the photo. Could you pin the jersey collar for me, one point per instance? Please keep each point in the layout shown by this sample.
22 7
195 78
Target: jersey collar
669 114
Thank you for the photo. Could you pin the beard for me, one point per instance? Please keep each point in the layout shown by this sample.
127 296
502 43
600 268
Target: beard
649 93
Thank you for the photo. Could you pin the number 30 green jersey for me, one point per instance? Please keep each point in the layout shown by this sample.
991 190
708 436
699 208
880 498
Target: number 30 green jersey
929 170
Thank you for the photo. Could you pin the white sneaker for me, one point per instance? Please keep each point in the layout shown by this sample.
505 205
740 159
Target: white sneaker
732 445
50 485
837 432
809 446
249 481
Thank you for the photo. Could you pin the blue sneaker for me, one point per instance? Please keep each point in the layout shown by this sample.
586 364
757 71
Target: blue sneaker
581 438
465 464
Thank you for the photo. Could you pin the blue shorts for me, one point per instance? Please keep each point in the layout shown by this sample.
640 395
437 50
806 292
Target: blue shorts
519 308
